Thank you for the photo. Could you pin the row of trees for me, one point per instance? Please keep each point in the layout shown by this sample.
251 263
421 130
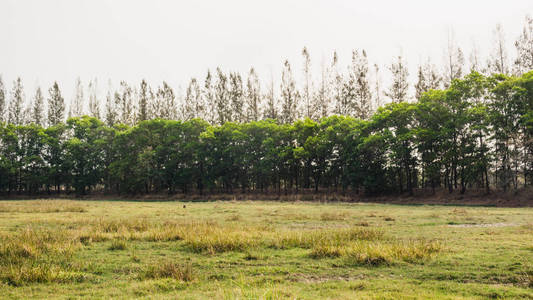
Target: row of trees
232 97
478 133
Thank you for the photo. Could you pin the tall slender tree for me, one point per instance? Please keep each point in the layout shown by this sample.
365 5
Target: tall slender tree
94 103
2 100
428 79
208 96
76 104
524 48
222 99
307 85
193 103
253 97
144 109
38 108
111 114
339 88
453 61
400 83
498 59
16 105
363 95
125 104
271 109
236 95
322 96
56 105
377 88
289 95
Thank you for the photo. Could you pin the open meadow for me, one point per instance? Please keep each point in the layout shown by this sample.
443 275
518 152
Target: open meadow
263 250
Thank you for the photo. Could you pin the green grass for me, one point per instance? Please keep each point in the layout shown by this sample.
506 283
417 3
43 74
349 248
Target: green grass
263 250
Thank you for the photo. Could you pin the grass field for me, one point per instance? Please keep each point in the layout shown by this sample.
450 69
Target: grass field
263 250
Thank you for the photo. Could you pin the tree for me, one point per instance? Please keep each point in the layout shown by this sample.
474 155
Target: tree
76 105
400 84
124 102
144 109
94 103
289 95
498 60
193 106
475 60
111 116
38 109
209 99
363 96
308 85
377 88
2 100
339 88
271 110
524 48
222 99
16 105
453 61
56 105
253 97
323 94
428 79
236 97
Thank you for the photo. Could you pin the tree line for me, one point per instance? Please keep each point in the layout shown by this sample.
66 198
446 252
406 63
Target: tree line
219 97
475 134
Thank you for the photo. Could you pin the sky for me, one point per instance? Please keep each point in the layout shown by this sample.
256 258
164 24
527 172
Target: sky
46 40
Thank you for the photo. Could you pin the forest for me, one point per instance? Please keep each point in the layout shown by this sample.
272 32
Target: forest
466 128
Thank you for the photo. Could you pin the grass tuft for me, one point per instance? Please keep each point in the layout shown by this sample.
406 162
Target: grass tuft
378 253
118 245
183 272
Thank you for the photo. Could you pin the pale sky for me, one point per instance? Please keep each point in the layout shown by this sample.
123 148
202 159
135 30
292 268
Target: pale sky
47 40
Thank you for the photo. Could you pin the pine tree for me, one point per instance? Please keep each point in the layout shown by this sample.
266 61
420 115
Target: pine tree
94 104
76 105
289 95
475 60
2 100
165 101
400 84
498 60
322 95
111 113
144 109
428 79
56 105
378 102
271 110
363 96
453 62
125 104
193 106
253 97
307 88
16 113
339 88
38 108
524 48
221 96
236 95
208 96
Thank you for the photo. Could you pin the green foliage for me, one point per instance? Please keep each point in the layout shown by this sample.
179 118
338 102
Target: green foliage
476 134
